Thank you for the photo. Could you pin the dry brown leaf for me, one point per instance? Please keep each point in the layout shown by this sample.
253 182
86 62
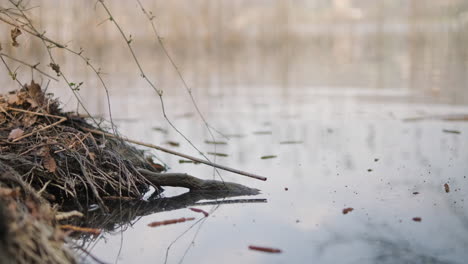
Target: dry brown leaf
49 163
29 120
14 34
32 102
92 156
13 99
15 133
55 67
36 93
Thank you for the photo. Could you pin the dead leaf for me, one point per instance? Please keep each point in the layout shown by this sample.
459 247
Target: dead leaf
49 163
14 34
55 67
347 210
92 156
15 133
417 219
13 99
32 102
447 188
29 120
36 93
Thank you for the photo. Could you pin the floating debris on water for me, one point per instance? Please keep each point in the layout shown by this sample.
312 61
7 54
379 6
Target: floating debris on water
447 188
160 129
451 131
268 157
415 193
170 222
290 142
188 161
376 159
172 143
347 210
262 132
462 117
265 249
417 219
215 142
235 136
369 170
205 213
217 154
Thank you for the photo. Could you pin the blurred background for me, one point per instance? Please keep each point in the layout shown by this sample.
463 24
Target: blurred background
416 45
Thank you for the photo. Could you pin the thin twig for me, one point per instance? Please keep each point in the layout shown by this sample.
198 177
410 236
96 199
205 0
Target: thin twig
33 113
177 154
34 67
42 129
77 53
144 76
151 17
57 69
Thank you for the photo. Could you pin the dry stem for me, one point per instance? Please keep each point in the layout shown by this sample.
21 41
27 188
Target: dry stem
177 154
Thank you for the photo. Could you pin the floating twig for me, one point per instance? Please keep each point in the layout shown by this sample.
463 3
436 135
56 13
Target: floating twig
265 249
177 154
172 143
262 133
291 142
268 157
215 142
451 131
217 154
170 222
205 213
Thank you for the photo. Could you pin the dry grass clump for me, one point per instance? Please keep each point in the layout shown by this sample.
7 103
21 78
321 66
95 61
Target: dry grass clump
28 232
52 153
48 160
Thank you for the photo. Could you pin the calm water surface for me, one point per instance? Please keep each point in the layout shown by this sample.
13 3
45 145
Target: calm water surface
353 148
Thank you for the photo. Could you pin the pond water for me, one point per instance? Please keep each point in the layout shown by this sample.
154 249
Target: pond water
349 148
361 116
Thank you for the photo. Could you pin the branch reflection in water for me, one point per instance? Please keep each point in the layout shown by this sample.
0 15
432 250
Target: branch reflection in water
126 213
